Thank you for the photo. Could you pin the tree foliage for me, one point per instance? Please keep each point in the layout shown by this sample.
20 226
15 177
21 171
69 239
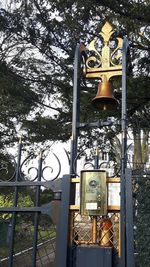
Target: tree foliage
37 45
38 40
6 200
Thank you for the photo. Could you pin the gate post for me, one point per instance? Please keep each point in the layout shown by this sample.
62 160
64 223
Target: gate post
62 229
129 220
100 63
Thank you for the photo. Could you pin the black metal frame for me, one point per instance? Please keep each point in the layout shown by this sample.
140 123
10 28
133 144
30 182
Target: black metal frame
126 245
124 152
62 232
76 109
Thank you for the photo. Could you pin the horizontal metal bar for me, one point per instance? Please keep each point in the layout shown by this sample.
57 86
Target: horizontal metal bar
114 180
104 69
75 180
110 208
24 209
109 180
74 207
113 208
27 183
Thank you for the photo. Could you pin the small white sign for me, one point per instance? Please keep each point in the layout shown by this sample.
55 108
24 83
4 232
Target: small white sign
91 206
114 194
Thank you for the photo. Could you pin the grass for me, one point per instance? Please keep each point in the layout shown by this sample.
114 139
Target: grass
24 238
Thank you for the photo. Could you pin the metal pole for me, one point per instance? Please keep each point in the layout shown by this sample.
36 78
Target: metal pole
76 109
37 214
14 214
94 229
96 159
129 219
62 249
124 152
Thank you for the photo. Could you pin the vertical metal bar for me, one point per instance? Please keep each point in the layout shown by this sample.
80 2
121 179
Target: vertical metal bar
124 151
15 202
119 241
129 219
71 226
36 216
94 229
94 219
96 159
76 109
62 258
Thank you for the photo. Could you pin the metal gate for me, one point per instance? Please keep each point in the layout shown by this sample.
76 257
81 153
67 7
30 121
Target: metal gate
27 232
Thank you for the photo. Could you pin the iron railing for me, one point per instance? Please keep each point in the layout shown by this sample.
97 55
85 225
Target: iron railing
27 232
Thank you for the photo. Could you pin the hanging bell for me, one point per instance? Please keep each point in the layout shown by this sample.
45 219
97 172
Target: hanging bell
105 99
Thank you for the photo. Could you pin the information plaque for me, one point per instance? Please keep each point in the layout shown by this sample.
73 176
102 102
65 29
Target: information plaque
93 193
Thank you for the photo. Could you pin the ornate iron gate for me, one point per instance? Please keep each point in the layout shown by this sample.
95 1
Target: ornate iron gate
27 232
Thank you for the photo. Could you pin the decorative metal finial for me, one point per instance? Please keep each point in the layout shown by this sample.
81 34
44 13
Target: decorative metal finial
104 58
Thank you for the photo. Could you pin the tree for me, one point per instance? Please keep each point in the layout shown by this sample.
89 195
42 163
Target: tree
6 200
38 42
37 46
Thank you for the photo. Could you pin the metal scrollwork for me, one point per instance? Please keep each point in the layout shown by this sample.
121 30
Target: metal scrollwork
113 166
88 162
25 163
94 60
32 167
31 173
52 169
8 169
104 58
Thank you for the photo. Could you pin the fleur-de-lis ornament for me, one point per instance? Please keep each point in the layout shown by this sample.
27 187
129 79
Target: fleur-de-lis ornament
103 61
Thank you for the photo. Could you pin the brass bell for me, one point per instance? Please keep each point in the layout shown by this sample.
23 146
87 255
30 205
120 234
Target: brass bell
105 99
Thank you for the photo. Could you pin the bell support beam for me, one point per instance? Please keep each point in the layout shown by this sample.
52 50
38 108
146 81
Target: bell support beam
125 50
76 106
101 63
